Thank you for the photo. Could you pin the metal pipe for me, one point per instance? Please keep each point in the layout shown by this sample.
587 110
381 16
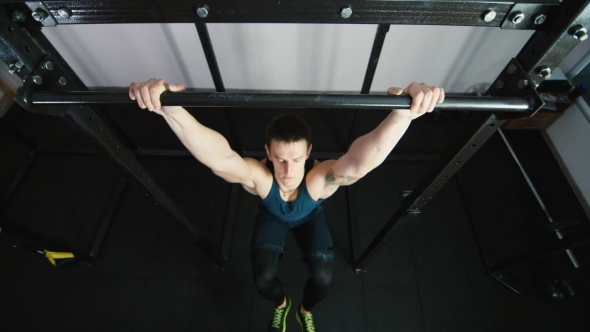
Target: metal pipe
234 142
539 200
255 100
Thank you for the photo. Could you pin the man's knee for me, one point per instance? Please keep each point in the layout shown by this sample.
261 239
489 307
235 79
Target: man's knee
322 255
323 278
264 264
322 266
263 277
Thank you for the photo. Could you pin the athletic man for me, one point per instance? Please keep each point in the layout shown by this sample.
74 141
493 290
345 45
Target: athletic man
291 186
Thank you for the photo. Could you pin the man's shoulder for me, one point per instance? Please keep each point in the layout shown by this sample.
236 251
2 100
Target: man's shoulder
261 177
258 169
322 166
256 161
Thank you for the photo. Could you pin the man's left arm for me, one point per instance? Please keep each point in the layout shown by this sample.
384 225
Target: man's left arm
370 150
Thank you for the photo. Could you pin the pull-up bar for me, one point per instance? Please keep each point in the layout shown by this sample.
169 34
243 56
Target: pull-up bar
342 101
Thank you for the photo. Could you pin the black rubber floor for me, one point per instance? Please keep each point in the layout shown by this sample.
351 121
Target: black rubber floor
149 276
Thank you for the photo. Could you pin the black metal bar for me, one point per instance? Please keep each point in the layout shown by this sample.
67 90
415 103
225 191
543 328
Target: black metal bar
475 133
466 12
234 142
107 217
382 30
252 100
540 252
210 56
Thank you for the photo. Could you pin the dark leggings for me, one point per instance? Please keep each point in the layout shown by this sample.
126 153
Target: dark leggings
265 264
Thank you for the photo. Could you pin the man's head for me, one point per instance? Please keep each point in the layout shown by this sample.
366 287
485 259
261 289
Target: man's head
288 145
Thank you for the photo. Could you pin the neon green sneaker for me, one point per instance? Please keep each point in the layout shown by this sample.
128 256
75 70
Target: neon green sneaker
279 318
305 321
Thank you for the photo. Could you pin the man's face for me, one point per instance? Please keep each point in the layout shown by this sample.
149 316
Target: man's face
289 161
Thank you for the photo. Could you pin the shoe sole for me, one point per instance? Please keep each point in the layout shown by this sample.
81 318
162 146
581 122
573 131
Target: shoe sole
286 314
299 320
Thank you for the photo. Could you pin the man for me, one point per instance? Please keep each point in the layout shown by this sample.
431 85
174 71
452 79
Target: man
291 186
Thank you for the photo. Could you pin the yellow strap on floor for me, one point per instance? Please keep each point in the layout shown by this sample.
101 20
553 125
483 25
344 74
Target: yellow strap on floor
52 255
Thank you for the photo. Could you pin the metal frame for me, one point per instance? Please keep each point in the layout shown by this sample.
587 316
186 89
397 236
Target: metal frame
458 12
559 27
36 52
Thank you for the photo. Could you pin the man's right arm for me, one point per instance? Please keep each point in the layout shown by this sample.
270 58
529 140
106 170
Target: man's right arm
206 145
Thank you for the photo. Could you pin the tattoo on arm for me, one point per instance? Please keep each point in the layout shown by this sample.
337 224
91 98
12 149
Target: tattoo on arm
338 179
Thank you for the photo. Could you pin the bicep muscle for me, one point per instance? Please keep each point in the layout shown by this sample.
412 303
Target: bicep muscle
341 172
238 170
333 178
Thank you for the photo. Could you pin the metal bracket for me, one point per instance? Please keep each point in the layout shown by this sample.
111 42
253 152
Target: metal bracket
46 77
41 14
527 16
15 48
565 29
514 81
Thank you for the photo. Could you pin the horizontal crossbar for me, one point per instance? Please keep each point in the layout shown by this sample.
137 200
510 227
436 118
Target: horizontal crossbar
258 100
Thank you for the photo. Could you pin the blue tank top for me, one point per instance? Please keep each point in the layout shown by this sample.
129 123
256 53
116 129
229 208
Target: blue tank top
290 211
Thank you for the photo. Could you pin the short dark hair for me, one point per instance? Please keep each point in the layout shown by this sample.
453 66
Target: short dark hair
288 128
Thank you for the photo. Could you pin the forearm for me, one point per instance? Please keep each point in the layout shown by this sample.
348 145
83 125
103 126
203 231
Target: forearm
207 145
370 150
